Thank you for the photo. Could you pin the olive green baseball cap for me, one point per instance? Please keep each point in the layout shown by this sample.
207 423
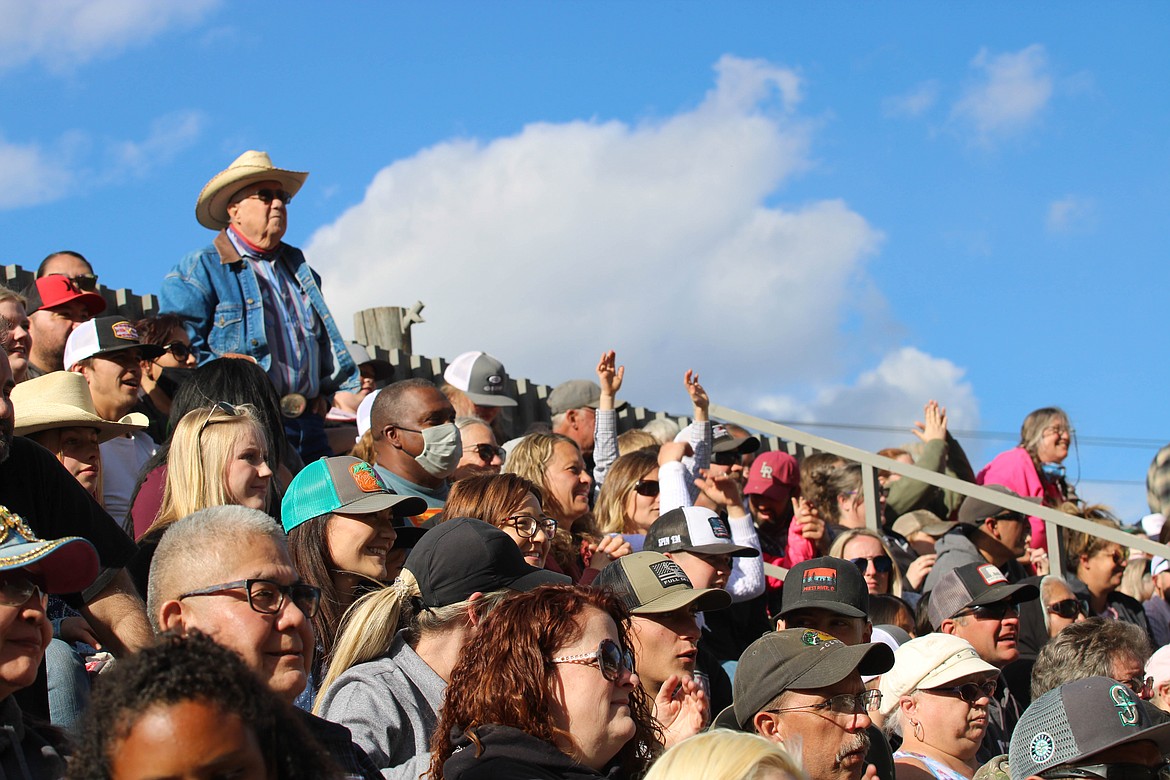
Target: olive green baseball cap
649 583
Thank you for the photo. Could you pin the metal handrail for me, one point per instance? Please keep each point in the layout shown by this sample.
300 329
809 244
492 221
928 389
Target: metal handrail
871 462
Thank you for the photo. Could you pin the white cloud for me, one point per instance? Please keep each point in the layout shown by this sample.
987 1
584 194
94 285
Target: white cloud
914 103
168 136
1009 92
30 174
1071 214
551 245
892 394
62 34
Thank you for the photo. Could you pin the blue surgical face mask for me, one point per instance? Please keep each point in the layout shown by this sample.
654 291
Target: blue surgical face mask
442 449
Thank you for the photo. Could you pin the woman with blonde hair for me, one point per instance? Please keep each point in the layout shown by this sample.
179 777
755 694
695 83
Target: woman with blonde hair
628 501
218 455
722 754
14 335
869 551
397 646
554 462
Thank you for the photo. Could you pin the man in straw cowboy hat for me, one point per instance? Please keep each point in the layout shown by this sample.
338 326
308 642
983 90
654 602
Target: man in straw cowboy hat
251 294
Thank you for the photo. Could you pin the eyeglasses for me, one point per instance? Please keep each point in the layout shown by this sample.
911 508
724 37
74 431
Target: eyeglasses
882 564
608 657
646 487
1016 516
968 692
1069 608
526 525
486 452
267 196
1059 430
991 611
843 704
1111 771
180 349
87 282
16 589
219 406
729 458
268 597
1142 687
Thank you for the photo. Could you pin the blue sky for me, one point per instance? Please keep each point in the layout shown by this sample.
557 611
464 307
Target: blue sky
833 211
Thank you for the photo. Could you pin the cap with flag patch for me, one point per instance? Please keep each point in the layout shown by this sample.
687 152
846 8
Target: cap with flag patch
696 530
343 485
649 583
973 585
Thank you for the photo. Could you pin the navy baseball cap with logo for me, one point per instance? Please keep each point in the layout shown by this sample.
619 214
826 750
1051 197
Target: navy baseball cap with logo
973 585
1072 723
696 530
828 583
649 583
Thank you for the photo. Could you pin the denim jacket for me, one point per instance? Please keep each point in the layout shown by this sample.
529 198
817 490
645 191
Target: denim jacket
217 294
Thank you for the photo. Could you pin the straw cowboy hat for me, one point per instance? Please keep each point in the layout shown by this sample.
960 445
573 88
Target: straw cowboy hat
60 399
249 168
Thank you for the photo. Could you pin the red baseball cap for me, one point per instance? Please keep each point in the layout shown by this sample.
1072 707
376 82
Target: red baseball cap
58 289
773 474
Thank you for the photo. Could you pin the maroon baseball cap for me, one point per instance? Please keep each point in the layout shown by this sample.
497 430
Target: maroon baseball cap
58 289
773 474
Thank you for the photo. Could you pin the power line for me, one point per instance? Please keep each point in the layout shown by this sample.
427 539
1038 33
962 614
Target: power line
1122 442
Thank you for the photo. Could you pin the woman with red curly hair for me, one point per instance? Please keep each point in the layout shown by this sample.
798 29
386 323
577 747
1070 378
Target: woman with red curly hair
546 689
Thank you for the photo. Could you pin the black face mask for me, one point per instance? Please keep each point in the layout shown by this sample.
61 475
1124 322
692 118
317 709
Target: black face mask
170 379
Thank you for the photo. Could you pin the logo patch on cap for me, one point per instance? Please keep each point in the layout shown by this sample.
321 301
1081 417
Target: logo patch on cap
495 383
814 638
367 480
766 471
1041 748
718 528
819 580
666 541
991 575
669 574
124 330
1127 711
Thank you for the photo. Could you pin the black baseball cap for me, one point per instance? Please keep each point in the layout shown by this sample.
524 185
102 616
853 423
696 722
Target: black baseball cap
649 583
694 529
463 556
975 510
974 585
795 659
828 583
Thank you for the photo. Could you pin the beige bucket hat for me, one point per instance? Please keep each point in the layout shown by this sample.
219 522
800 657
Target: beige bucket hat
60 399
249 168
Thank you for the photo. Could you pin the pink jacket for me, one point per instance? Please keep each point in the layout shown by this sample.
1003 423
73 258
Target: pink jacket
1014 469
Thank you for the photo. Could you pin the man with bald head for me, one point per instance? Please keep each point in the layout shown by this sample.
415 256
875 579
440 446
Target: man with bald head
416 443
251 294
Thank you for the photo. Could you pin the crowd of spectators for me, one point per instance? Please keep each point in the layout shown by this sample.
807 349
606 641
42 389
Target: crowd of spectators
231 547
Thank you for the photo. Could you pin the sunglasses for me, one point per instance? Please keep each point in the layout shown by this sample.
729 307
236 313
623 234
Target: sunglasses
729 458
608 657
87 282
181 350
1143 687
1069 608
219 406
968 692
882 564
486 452
1111 772
991 611
646 487
267 196
16 589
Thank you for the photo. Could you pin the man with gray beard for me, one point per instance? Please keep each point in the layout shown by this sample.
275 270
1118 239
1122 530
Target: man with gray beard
802 688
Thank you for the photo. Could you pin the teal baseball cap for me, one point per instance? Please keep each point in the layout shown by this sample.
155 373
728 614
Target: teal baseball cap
342 484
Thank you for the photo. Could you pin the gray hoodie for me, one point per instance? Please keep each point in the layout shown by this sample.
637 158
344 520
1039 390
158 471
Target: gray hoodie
390 705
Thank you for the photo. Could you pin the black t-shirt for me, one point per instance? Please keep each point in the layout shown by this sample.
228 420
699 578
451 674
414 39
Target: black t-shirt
35 485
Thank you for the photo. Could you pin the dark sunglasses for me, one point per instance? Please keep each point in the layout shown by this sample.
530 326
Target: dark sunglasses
882 564
1111 772
646 487
16 589
968 692
608 657
729 458
486 452
87 282
181 350
267 196
1069 608
996 611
